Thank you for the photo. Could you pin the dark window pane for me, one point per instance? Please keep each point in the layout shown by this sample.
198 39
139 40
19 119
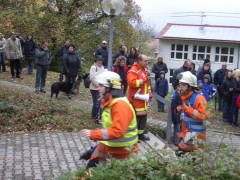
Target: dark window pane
179 47
224 50
208 49
231 59
185 55
172 55
186 47
231 51
208 57
194 48
179 56
171 79
216 58
217 50
194 57
224 59
173 46
201 57
201 49
171 72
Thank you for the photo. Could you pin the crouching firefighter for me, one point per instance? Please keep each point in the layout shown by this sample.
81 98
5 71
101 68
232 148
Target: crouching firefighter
119 123
194 113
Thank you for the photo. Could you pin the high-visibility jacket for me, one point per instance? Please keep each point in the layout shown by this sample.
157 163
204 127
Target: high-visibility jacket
133 78
120 131
119 124
193 118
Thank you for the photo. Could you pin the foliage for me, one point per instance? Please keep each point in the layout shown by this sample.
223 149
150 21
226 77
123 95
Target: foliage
220 162
81 21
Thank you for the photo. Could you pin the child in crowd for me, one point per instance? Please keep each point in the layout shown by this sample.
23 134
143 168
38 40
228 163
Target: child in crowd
208 89
176 108
161 88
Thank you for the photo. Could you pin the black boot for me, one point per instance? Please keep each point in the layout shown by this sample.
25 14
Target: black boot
87 154
143 137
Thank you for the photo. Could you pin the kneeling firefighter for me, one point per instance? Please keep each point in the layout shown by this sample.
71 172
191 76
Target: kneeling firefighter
119 123
194 113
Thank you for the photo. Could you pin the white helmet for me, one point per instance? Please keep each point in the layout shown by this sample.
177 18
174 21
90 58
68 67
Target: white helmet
109 79
187 77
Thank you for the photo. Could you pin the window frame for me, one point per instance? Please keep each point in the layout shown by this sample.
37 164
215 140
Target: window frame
183 52
219 55
205 54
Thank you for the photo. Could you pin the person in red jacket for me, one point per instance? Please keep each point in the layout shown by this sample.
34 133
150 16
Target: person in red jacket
119 127
194 113
139 92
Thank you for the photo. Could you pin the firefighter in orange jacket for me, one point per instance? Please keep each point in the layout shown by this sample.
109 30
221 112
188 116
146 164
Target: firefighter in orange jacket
139 93
194 113
119 122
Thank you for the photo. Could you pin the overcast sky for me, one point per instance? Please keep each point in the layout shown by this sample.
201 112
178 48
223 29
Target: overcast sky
158 12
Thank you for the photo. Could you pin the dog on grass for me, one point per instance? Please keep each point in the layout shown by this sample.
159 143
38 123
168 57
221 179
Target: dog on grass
59 86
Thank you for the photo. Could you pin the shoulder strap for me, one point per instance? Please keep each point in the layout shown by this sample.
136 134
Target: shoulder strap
193 99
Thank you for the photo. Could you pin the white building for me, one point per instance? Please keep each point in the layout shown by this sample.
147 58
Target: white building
178 42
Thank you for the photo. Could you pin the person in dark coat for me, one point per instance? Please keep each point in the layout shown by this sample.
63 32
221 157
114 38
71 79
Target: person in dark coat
29 53
161 88
121 52
103 51
228 87
121 69
218 80
187 66
176 108
71 67
203 72
206 62
63 51
158 67
132 57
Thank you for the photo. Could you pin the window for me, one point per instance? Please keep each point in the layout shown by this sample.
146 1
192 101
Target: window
179 51
171 75
224 54
201 52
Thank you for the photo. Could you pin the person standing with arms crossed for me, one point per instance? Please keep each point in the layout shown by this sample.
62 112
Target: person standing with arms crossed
139 92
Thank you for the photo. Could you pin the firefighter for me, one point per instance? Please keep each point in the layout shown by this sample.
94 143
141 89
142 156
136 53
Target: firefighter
194 113
119 123
139 92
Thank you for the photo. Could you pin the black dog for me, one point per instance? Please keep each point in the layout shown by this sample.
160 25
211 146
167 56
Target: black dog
59 86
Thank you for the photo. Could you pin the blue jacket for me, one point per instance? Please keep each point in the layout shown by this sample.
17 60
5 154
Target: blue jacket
208 90
161 87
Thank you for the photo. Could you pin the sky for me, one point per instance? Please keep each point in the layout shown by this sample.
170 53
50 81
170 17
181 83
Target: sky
158 12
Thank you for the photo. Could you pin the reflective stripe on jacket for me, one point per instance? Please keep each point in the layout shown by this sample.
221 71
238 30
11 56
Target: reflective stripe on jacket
133 78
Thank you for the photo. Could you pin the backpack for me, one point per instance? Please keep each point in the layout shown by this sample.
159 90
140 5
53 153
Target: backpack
86 79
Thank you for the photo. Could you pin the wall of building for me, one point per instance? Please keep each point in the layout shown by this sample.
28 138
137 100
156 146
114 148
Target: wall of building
165 52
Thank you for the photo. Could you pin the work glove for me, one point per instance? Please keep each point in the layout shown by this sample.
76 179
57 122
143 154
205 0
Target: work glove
144 97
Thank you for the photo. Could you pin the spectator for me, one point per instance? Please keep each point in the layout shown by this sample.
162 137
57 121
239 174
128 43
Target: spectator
63 51
121 52
139 93
121 69
29 53
158 67
71 67
118 137
14 53
96 69
218 80
187 66
132 57
176 108
22 42
194 72
161 88
103 51
43 60
228 88
3 44
236 93
208 88
206 62
205 70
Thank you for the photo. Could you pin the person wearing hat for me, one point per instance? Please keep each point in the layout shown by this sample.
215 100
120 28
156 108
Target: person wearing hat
161 88
158 67
206 62
103 51
3 44
119 129
96 69
194 113
208 88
